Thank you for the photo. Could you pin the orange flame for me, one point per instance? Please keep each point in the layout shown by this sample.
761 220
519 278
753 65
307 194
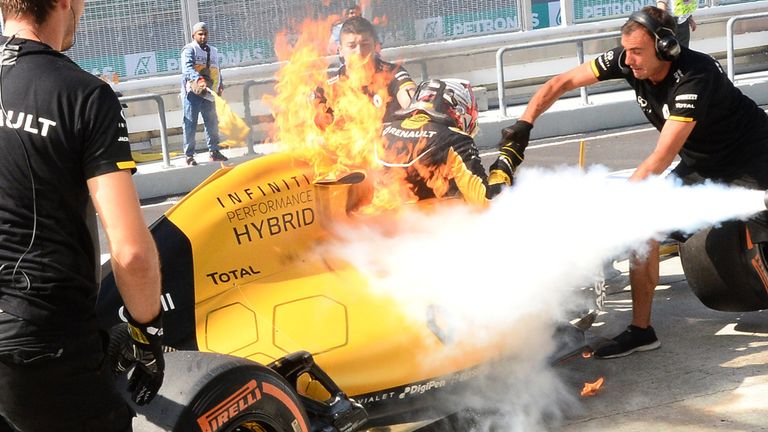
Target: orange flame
590 389
349 138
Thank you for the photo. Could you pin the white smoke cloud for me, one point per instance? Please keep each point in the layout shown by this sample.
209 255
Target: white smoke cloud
509 272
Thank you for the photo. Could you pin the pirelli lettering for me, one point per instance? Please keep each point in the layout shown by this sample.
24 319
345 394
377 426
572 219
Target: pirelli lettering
233 405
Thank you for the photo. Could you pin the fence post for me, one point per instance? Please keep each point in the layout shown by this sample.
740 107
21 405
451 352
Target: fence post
191 16
247 113
580 57
566 12
161 116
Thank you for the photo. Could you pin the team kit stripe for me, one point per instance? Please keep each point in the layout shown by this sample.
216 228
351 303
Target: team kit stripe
594 68
126 165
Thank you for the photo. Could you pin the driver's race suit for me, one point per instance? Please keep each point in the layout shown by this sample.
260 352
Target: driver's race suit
439 160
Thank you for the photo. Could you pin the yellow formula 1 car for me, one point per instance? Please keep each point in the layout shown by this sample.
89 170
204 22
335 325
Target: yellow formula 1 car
271 336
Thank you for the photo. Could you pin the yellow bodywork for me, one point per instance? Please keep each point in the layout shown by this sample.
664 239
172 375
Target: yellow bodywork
263 290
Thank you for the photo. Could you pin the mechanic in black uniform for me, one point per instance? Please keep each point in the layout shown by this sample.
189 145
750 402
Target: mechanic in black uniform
433 141
358 48
719 134
64 145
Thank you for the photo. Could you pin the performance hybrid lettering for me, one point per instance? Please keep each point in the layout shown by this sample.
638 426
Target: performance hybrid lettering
274 225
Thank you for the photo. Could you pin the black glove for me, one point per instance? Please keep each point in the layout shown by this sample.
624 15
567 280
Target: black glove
143 350
514 140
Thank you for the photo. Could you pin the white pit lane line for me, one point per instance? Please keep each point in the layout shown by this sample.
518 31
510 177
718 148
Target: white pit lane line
576 140
624 173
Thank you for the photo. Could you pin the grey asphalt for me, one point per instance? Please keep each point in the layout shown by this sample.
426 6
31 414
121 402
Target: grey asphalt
709 374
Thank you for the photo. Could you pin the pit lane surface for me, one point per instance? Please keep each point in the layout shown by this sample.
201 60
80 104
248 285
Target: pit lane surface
710 373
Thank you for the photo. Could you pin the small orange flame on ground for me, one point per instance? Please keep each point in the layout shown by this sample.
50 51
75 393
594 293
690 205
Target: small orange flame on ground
349 139
590 389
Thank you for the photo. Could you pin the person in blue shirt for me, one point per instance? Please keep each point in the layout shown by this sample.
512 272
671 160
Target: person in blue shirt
201 75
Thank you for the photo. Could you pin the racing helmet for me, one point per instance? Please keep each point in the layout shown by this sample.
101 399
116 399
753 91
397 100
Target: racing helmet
449 100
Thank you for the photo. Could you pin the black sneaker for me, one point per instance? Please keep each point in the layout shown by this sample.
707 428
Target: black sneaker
216 156
630 340
191 161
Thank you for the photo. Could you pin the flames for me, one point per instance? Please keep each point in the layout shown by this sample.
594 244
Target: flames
591 388
345 138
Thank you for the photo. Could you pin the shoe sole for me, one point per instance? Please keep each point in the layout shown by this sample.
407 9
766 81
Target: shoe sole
650 347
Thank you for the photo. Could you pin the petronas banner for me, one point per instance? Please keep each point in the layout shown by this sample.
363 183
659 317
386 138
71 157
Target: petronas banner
545 13
595 10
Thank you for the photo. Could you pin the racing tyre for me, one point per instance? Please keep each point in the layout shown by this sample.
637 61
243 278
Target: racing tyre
218 393
726 269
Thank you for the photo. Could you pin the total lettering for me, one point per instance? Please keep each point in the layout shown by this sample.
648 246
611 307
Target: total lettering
230 275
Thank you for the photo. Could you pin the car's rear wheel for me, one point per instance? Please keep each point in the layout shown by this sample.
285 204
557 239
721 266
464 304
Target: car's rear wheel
726 268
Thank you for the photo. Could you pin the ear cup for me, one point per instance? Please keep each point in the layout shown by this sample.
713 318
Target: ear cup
667 46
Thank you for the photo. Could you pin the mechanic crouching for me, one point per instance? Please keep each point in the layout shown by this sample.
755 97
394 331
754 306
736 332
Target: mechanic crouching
432 140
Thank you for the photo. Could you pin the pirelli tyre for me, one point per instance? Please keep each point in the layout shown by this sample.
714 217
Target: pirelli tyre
726 267
209 392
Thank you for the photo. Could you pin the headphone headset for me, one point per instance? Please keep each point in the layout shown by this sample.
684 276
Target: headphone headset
667 46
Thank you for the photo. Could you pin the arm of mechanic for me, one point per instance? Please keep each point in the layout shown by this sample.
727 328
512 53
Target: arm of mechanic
550 92
671 140
135 261
515 138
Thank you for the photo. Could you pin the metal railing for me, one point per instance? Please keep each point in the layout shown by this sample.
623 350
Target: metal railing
247 107
729 36
579 40
420 55
160 115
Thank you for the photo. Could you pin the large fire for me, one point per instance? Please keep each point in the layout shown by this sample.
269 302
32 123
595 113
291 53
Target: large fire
345 138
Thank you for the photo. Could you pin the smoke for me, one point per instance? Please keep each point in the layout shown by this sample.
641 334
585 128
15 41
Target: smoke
507 274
